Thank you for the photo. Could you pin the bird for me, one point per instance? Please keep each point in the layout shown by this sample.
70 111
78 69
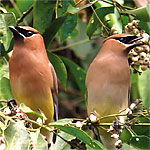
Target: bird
33 79
108 81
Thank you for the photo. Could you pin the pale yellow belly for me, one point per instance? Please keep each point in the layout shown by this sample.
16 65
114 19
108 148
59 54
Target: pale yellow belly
35 96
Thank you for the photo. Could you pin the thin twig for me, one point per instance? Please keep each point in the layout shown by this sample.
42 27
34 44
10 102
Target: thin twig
18 11
3 101
130 130
24 15
6 117
113 115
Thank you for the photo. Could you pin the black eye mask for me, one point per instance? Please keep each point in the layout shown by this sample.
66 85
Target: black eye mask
26 33
128 39
20 33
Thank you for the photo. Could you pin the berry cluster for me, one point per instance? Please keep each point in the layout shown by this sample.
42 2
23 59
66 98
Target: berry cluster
139 56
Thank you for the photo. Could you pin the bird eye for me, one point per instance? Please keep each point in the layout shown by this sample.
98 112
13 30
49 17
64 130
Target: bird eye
121 39
29 34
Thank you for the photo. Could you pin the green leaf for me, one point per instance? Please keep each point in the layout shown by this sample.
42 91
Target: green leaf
115 20
145 26
68 27
28 110
42 14
142 142
5 90
141 130
128 147
2 126
94 23
52 29
38 141
64 121
142 13
60 143
98 143
25 108
74 10
17 137
78 73
106 4
134 87
22 5
80 134
3 52
6 19
83 49
59 68
144 87
71 21
125 136
4 68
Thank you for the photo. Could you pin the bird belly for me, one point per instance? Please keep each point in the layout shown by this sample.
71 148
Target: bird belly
110 100
34 94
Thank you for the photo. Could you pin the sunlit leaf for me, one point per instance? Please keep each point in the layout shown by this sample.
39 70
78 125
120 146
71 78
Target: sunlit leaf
65 121
60 143
28 110
17 137
114 20
80 134
74 10
142 13
6 19
38 140
128 147
5 90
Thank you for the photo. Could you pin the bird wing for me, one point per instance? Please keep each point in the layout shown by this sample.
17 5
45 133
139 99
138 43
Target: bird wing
55 98
55 92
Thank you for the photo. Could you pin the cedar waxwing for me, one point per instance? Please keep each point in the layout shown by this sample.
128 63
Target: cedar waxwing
32 77
108 81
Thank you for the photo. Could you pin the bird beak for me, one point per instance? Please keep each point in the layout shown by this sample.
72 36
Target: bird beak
16 33
132 43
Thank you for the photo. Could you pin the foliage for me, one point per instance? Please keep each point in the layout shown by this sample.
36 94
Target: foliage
71 44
